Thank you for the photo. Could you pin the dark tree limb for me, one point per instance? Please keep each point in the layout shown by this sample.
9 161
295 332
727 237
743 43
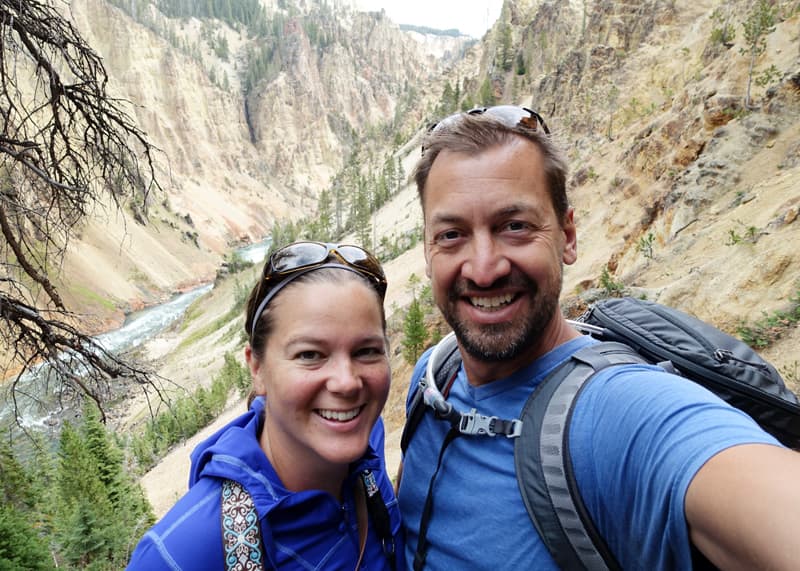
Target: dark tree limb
77 359
65 145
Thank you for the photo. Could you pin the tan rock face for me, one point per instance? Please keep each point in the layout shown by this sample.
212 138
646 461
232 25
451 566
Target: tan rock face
232 165
684 161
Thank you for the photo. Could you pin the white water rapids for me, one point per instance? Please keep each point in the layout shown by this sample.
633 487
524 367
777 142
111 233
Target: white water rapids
38 409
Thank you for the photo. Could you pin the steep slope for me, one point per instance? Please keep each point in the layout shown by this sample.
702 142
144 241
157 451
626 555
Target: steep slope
253 123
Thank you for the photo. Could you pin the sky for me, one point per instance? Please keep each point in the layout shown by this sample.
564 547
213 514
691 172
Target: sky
472 17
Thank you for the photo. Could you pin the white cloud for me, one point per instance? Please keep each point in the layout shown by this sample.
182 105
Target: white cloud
472 17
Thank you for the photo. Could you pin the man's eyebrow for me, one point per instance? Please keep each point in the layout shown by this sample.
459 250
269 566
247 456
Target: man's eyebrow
509 210
515 208
446 219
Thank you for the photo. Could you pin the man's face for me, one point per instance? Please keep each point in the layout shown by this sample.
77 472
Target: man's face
495 249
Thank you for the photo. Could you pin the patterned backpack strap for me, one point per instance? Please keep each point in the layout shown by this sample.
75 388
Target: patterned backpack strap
241 532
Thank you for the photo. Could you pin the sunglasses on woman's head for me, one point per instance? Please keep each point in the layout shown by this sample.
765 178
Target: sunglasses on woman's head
300 257
303 255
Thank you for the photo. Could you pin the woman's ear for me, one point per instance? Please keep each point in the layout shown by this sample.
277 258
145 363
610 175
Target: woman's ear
254 364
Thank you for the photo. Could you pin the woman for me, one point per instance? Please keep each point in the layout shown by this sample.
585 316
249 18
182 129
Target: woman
299 481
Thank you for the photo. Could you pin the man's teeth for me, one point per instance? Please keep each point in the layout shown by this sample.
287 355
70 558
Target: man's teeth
338 415
491 302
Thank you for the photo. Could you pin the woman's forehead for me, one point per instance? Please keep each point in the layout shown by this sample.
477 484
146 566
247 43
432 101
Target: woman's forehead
341 300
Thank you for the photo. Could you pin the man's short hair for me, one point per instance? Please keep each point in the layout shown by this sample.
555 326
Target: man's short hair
473 134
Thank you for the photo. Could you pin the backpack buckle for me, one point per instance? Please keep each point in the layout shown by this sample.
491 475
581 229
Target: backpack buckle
474 424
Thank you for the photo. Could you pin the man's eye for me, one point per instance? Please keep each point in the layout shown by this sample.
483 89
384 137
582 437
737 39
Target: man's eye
448 236
308 355
516 226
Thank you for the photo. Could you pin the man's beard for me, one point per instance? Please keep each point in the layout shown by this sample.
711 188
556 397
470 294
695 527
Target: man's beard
505 341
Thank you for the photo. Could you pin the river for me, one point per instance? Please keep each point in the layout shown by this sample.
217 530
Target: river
40 409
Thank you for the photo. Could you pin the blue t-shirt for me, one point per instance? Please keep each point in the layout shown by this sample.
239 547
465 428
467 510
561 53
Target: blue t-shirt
638 436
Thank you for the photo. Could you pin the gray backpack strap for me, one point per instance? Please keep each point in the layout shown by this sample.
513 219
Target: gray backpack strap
444 372
544 468
241 529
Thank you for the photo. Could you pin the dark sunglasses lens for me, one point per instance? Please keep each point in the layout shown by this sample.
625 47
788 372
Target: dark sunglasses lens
359 257
298 255
508 114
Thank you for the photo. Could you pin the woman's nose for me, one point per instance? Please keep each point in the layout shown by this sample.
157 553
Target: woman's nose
344 377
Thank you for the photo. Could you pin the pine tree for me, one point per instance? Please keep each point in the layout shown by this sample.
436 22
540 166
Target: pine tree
414 333
362 210
102 511
41 469
15 488
468 102
324 222
106 456
522 69
381 190
506 55
400 174
22 543
84 508
760 21
447 103
390 175
486 96
21 547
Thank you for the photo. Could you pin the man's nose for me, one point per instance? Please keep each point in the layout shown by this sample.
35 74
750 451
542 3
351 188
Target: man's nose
486 262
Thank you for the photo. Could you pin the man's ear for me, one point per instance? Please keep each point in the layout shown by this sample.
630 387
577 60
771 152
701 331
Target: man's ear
570 254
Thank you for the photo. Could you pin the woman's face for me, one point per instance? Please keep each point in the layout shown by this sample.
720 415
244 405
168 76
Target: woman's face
325 372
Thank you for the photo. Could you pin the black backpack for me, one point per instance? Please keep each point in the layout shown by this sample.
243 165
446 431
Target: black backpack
631 331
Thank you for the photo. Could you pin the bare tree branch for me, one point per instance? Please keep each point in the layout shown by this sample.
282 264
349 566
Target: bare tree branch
65 145
79 361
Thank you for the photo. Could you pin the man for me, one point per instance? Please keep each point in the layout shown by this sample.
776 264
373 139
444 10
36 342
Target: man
661 465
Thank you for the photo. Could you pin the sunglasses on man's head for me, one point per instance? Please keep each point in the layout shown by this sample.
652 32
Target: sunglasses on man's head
509 115
301 257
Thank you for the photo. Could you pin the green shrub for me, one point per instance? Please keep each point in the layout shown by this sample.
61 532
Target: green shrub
188 414
608 284
645 245
771 327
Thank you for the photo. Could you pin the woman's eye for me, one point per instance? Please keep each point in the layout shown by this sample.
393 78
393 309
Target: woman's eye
308 355
370 352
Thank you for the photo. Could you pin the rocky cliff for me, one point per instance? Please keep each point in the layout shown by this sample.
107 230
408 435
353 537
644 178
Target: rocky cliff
252 123
683 187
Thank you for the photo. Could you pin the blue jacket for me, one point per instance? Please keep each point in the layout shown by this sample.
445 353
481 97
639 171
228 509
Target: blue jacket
301 530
